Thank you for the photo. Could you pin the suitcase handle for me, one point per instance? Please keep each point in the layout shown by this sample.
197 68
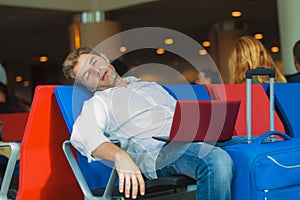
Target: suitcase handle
262 137
260 71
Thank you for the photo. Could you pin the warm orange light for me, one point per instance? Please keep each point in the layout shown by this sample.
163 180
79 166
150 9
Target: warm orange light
236 13
258 36
206 43
202 52
160 51
26 83
275 49
76 36
43 59
169 41
19 78
123 49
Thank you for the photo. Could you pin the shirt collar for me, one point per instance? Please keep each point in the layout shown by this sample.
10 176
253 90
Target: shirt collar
130 79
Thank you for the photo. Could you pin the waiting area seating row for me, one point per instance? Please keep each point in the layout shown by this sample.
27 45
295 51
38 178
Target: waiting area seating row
13 126
46 174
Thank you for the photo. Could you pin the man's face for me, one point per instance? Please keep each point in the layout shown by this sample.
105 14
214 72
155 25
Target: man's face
95 72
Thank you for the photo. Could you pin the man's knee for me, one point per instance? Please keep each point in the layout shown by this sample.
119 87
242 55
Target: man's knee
222 165
224 169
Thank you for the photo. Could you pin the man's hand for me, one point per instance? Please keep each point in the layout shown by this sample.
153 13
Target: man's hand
130 176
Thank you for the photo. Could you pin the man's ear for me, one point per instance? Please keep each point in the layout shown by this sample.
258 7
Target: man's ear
104 56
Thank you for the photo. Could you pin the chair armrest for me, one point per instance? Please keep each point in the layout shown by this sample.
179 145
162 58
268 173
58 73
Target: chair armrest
13 157
88 195
76 170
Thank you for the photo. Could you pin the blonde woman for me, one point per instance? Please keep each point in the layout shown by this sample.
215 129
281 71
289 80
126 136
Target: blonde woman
249 53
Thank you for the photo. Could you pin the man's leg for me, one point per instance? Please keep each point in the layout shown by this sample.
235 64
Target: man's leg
209 165
233 141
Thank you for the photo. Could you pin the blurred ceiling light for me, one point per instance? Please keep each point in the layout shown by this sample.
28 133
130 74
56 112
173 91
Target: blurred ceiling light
206 43
19 79
160 51
202 52
275 49
258 36
43 59
26 83
123 49
169 41
76 35
236 13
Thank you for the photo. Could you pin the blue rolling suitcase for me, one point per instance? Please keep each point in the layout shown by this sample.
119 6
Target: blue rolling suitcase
266 168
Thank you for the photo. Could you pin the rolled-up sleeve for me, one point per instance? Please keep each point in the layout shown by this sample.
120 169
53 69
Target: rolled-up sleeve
89 127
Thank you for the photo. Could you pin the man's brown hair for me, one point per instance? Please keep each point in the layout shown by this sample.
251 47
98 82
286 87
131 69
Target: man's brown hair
72 59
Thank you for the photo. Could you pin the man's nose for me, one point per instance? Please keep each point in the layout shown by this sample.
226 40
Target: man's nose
99 69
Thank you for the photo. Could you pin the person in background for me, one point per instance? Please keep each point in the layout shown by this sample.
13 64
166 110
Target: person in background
249 53
5 108
16 101
295 78
202 78
3 74
4 105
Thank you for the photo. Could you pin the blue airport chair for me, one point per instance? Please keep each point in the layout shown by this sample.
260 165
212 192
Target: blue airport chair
287 103
188 91
95 175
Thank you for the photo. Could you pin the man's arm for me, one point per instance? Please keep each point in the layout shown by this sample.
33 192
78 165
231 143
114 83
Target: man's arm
129 174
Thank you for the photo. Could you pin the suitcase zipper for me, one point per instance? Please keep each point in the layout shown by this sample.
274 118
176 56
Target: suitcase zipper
266 194
281 165
252 178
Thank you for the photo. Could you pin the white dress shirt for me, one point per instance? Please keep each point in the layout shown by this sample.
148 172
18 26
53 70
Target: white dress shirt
135 112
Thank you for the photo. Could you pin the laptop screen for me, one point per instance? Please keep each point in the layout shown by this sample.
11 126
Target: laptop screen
201 120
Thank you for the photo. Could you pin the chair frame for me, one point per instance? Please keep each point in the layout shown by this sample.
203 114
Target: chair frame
12 160
88 195
188 193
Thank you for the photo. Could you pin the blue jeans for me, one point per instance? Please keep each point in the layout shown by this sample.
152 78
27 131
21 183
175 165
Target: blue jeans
209 164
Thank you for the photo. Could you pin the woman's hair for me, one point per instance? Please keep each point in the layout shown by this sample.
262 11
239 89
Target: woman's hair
72 59
249 53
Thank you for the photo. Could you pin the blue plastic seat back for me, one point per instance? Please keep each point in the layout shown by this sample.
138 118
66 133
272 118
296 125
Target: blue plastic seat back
287 98
70 100
266 87
188 91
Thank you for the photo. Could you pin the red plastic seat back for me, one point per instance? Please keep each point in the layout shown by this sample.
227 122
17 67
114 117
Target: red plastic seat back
260 107
13 126
44 170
